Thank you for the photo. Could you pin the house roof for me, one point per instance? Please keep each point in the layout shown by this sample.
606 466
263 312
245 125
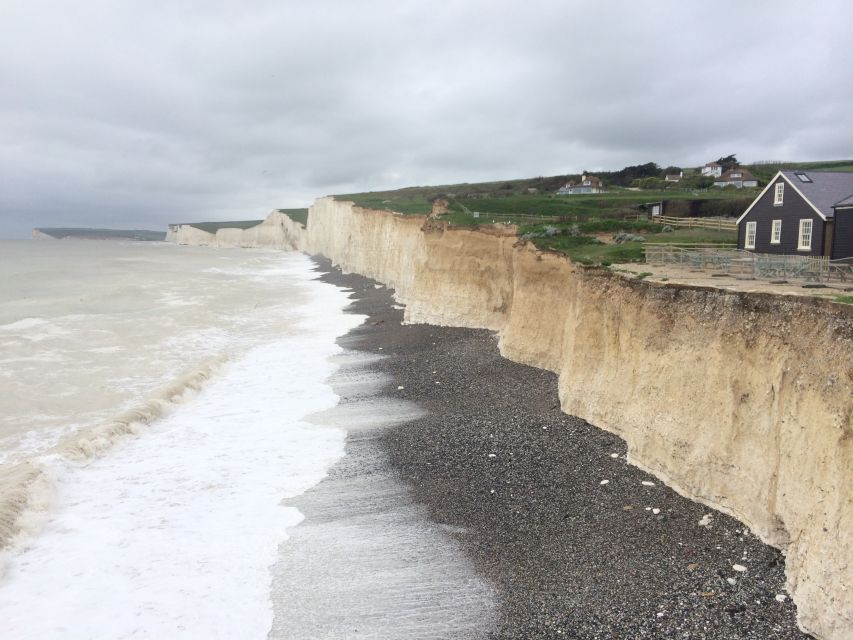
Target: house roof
744 175
713 164
822 190
847 202
591 180
825 189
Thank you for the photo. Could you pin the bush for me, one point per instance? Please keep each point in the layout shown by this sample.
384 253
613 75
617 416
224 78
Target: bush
619 238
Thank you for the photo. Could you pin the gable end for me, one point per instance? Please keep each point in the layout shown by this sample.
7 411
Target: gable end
770 184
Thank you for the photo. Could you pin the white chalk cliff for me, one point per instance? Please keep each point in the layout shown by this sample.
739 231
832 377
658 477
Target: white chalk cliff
742 401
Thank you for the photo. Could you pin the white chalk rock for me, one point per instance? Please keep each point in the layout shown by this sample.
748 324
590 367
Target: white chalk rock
655 511
739 568
604 482
646 483
706 520
781 597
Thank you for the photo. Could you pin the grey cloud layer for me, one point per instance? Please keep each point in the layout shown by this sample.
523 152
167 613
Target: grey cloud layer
136 114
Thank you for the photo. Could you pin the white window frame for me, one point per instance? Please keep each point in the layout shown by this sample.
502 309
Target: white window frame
750 232
776 232
806 232
779 194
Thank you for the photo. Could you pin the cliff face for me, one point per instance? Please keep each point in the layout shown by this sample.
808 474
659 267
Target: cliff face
741 401
276 232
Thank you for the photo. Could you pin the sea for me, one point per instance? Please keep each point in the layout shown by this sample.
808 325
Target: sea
158 429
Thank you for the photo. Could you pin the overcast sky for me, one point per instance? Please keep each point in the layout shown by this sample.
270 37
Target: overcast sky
133 114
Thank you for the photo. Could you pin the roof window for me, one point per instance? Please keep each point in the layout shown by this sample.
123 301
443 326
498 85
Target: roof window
803 177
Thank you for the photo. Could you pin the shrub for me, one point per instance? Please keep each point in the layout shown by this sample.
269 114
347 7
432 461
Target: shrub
619 238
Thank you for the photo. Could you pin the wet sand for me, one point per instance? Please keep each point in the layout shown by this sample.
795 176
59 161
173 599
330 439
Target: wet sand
521 487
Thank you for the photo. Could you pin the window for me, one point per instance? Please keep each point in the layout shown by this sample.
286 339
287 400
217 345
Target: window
776 232
736 174
803 177
779 194
805 243
749 240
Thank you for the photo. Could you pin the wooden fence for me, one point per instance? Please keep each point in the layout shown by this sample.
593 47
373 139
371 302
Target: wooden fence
698 223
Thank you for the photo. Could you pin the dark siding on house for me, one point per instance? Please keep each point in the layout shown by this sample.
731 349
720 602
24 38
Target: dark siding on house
842 244
793 209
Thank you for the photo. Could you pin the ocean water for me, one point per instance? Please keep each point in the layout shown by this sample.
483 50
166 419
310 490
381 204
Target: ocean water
187 452
152 428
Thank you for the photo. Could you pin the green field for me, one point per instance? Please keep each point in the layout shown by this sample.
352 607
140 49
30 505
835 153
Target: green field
297 215
512 200
765 171
213 227
577 242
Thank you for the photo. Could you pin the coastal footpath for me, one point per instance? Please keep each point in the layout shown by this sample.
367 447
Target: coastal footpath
742 401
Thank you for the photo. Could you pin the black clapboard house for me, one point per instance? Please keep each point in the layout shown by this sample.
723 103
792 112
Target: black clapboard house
801 212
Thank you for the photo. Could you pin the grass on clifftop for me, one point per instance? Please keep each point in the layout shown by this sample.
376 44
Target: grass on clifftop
213 227
408 201
603 248
516 208
297 215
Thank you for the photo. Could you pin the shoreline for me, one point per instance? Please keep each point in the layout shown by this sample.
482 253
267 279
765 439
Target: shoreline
520 485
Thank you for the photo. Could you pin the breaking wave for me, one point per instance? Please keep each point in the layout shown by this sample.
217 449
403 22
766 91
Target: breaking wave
26 487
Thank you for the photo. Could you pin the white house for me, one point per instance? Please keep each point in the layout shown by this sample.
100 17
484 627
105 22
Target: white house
712 169
588 184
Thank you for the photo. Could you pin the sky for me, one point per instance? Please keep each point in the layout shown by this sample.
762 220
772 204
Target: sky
135 114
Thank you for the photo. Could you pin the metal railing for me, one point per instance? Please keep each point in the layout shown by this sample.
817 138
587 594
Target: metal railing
737 261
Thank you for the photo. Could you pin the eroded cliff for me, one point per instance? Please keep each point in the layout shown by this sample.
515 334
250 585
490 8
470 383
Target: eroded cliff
742 401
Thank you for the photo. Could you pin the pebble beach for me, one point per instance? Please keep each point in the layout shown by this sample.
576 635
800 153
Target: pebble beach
576 542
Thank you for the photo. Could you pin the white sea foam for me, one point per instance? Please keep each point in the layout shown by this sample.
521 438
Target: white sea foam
170 533
173 533
23 324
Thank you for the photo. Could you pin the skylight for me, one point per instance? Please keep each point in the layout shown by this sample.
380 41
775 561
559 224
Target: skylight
803 177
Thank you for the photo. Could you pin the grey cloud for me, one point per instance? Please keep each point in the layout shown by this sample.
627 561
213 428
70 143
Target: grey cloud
137 114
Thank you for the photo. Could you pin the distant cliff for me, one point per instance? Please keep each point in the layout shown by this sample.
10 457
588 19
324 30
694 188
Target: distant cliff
278 231
65 233
741 401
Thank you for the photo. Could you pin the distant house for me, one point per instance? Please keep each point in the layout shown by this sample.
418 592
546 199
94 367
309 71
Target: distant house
736 177
712 169
674 177
588 184
801 213
655 209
